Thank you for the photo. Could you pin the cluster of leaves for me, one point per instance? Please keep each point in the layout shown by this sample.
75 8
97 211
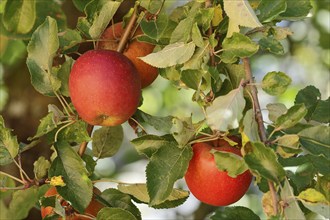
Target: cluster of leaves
198 46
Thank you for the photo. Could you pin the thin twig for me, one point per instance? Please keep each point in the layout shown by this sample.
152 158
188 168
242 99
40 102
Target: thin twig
12 177
21 170
261 126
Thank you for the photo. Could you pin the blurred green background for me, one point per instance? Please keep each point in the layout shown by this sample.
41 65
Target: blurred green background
306 61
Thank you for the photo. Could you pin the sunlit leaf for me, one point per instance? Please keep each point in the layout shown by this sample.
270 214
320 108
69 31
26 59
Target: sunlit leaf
41 51
140 194
19 16
250 126
226 111
68 164
8 144
291 117
292 209
240 13
315 201
171 55
272 45
288 145
275 110
233 164
99 14
40 167
183 130
159 123
238 45
149 144
275 83
107 141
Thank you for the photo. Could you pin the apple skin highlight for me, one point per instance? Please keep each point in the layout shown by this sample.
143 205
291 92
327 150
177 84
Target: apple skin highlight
104 87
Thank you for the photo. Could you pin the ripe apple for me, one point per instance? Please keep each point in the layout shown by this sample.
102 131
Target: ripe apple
104 87
210 185
135 49
92 209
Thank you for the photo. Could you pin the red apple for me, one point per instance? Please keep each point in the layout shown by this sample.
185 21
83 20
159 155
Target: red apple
104 87
135 49
92 209
210 185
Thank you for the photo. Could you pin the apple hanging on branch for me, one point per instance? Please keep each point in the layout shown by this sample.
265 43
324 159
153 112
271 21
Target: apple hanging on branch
134 49
209 184
104 87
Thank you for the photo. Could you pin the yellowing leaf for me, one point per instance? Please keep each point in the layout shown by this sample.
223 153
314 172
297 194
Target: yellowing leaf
240 13
312 195
177 53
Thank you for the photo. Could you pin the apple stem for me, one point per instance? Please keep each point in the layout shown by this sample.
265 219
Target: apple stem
127 32
259 120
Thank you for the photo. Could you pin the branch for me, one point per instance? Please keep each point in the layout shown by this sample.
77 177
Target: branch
121 46
261 126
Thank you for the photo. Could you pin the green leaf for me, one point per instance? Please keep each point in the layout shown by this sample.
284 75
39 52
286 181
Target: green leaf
22 202
275 83
166 166
69 41
275 110
114 213
140 194
317 109
183 130
204 17
118 199
155 28
322 186
90 163
235 212
63 75
316 140
19 16
192 78
262 161
233 164
47 124
172 54
3 207
291 117
238 45
303 177
6 181
200 56
270 9
292 209
246 16
226 111
68 164
99 14
272 45
288 145
107 141
296 10
315 201
80 4
196 36
149 144
40 167
182 33
250 126
41 51
75 133
159 123
8 144
320 163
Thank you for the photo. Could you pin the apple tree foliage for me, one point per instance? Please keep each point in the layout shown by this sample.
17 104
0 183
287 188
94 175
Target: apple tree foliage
201 45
